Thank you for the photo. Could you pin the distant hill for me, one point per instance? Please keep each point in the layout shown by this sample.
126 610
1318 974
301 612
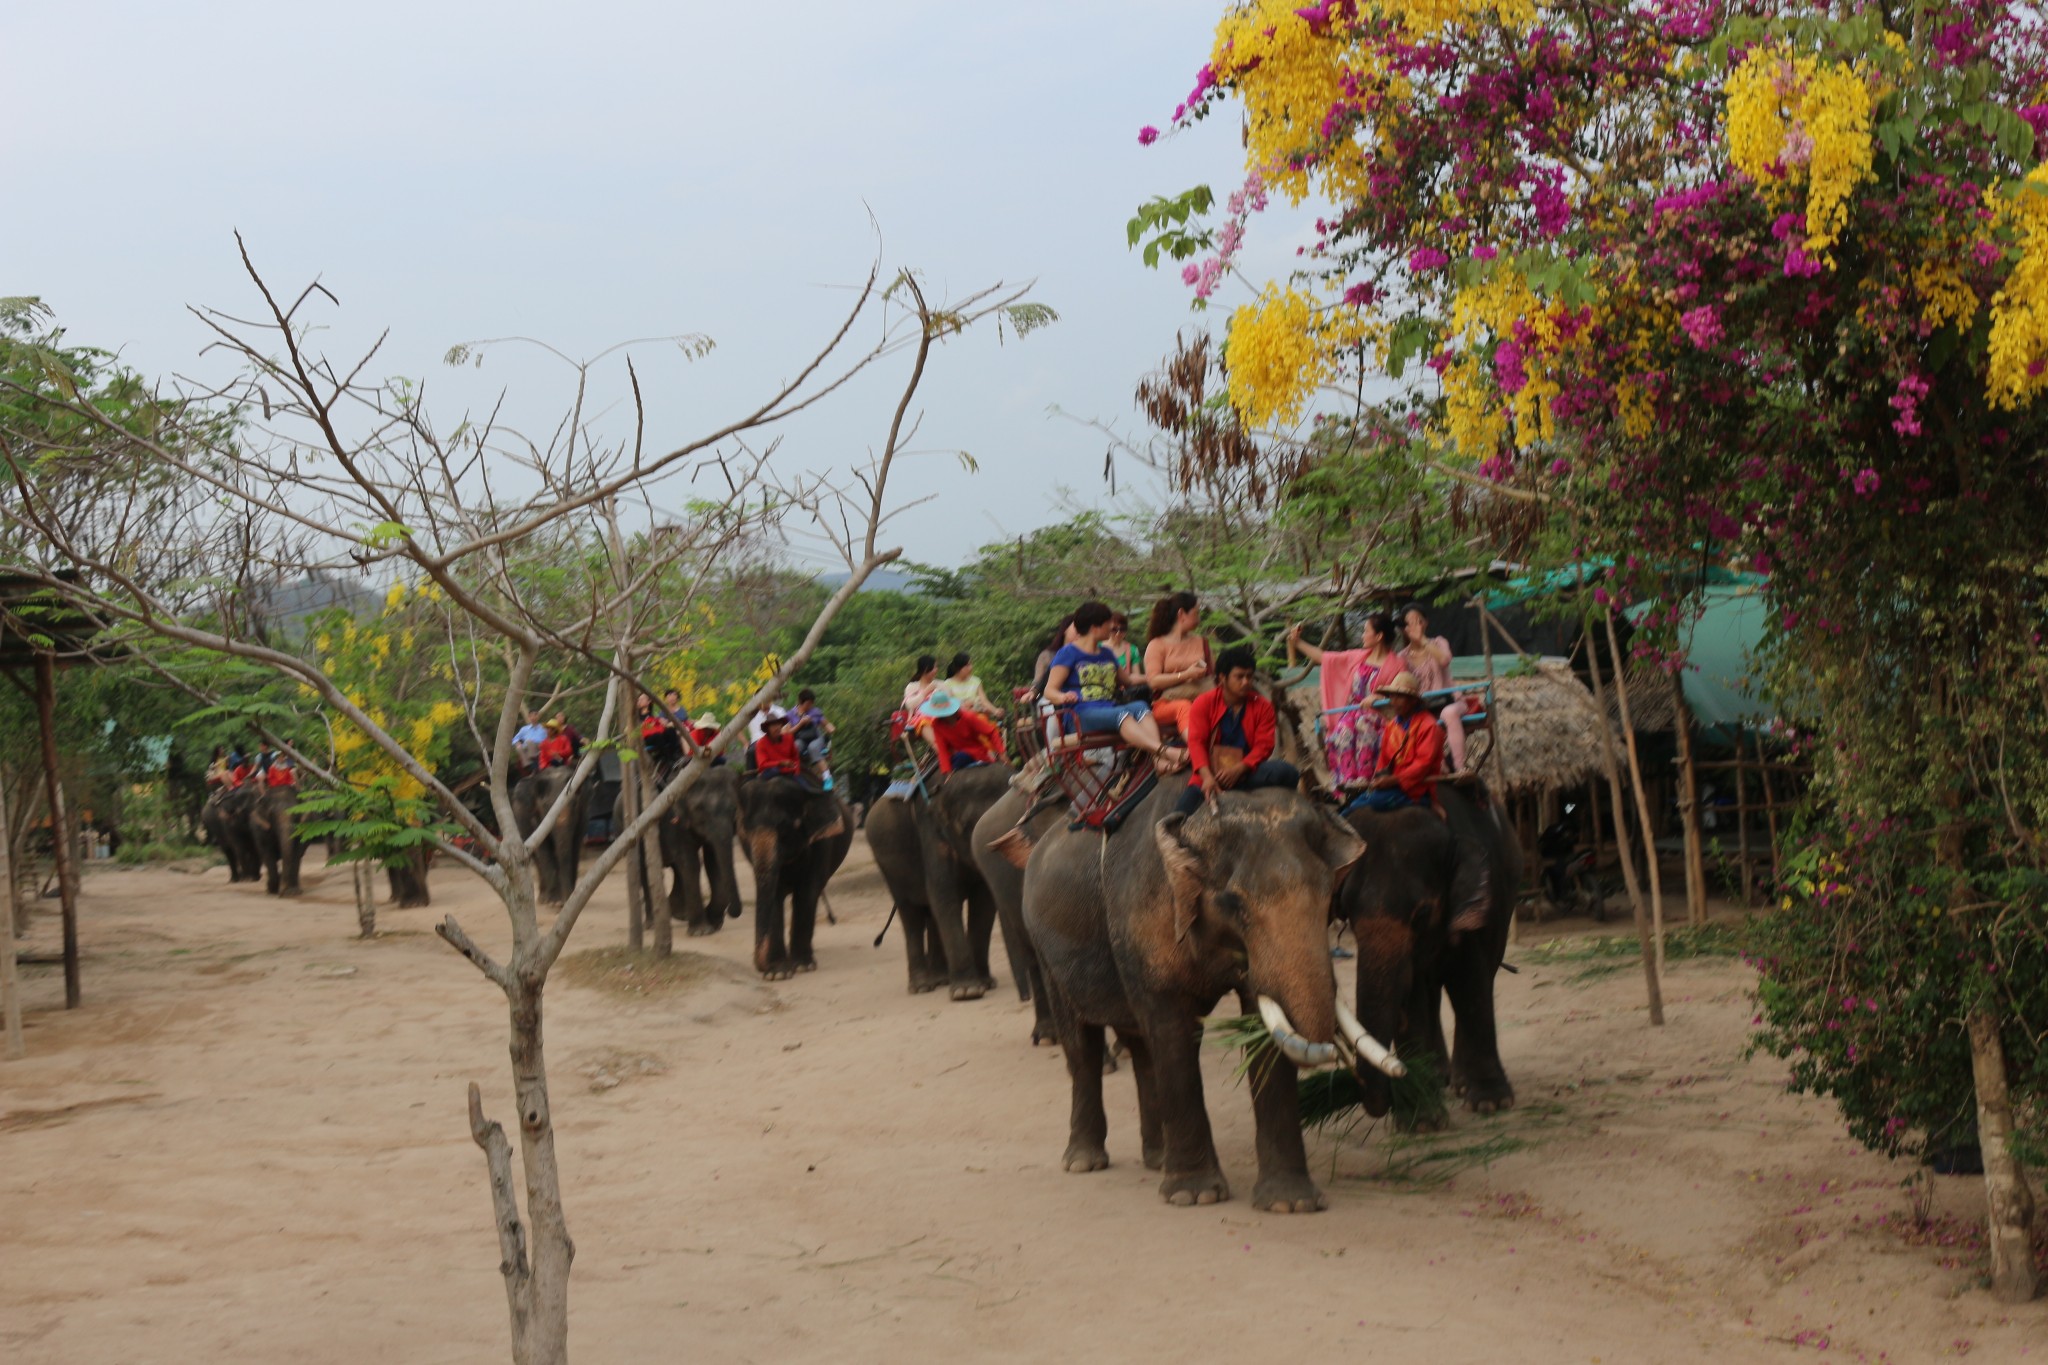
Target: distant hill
881 580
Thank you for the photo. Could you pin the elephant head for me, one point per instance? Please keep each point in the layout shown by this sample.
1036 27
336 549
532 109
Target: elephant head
779 820
698 831
1425 890
1251 879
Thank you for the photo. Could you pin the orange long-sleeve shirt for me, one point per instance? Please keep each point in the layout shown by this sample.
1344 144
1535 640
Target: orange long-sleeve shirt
1412 749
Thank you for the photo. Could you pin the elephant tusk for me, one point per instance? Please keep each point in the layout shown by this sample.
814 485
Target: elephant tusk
1296 1048
1378 1057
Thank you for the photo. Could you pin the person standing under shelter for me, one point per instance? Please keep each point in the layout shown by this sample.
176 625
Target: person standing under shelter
1231 732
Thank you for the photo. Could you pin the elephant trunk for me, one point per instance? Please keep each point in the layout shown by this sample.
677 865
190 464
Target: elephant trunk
725 882
1289 1040
1386 969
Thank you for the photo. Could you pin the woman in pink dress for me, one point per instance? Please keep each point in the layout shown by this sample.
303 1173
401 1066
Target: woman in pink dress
1428 657
1351 736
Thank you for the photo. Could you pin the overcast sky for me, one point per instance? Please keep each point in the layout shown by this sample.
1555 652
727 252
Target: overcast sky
595 172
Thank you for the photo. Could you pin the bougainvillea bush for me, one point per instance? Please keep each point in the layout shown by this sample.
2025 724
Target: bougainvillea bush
1716 281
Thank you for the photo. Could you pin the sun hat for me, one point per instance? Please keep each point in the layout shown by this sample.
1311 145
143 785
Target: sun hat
774 714
1404 684
939 705
705 721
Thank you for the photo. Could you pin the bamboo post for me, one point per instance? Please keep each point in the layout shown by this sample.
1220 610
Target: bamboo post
1653 974
60 824
10 983
1763 768
1742 823
1689 807
1635 773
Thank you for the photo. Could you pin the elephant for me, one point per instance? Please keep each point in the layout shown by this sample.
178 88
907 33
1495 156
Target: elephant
225 817
893 838
796 837
1005 880
696 838
277 849
1431 905
556 859
1149 932
928 861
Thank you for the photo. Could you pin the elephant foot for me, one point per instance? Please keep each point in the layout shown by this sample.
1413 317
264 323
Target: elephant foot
1196 1187
1109 1066
988 983
778 971
702 928
1493 1098
1083 1157
1042 1032
804 964
972 990
1291 1192
923 983
1155 1158
1422 1121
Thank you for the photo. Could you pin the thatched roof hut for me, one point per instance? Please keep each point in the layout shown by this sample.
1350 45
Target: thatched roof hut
1545 736
1546 732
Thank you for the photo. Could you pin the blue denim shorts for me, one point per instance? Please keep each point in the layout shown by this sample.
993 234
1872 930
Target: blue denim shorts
1104 717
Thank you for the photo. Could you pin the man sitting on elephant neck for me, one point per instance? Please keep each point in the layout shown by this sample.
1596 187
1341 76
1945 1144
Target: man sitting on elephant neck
963 739
1231 731
558 750
1411 751
775 751
281 774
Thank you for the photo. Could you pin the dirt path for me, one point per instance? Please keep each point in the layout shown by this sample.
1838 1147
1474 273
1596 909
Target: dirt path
250 1146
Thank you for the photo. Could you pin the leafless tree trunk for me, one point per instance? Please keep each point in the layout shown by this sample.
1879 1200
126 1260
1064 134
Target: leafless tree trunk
1635 773
2010 1199
363 878
10 984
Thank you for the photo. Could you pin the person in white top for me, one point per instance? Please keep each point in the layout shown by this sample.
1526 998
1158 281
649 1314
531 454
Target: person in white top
964 687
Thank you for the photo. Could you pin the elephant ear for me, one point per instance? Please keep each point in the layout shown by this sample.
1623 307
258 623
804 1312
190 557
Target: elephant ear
826 823
1340 844
1184 872
1471 898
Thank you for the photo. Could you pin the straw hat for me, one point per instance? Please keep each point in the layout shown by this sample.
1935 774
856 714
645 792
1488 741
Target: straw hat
939 705
707 721
1404 684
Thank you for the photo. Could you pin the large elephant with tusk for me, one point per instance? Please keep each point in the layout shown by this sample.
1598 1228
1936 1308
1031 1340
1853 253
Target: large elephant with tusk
1431 905
1147 933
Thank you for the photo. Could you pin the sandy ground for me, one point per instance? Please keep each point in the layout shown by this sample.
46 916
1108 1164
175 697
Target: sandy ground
250 1146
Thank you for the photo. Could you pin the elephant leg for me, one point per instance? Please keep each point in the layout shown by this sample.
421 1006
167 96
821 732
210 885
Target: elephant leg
1476 1056
943 883
981 923
1087 1123
934 949
1420 1108
1023 962
1151 1129
1284 1184
1042 1030
685 895
771 956
803 921
1192 1173
918 941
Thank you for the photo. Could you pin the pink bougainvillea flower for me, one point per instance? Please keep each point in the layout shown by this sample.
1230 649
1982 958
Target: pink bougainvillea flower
1147 135
1426 258
1703 325
1866 482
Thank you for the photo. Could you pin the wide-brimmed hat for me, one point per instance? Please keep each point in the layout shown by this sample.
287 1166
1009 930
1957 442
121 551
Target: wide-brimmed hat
557 722
773 714
939 705
705 721
1404 684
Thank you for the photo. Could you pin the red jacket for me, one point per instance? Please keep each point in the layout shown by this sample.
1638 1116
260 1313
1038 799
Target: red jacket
777 755
966 734
1205 713
557 751
281 776
1413 751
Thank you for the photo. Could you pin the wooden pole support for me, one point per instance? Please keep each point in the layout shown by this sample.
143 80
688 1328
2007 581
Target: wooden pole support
60 824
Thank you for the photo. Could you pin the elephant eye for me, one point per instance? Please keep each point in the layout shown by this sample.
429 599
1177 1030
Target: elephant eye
1231 904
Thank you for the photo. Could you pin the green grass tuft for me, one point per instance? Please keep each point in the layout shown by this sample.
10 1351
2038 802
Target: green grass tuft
1599 956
